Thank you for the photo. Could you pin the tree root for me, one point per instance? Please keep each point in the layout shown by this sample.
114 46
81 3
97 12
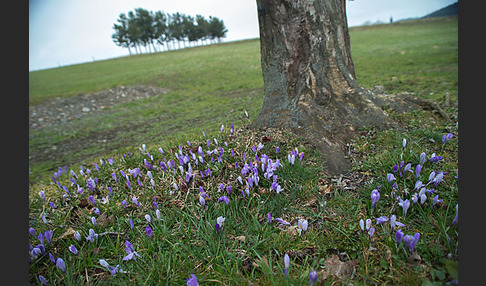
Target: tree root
404 102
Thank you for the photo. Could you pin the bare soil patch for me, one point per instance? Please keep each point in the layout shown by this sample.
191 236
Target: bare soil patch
60 110
56 114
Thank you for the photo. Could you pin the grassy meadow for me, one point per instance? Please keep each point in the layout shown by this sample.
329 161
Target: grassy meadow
147 207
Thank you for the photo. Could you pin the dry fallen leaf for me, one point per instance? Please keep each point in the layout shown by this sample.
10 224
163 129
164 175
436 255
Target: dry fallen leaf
179 204
341 270
69 232
292 230
104 220
261 262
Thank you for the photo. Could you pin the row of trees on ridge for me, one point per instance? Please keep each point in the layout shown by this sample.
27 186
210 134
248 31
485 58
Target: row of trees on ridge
155 30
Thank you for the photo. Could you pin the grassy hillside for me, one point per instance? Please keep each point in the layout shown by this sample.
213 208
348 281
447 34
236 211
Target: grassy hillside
224 67
419 56
215 84
232 206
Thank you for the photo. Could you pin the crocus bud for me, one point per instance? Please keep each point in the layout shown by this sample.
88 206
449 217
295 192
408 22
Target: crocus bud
398 236
61 265
312 277
73 249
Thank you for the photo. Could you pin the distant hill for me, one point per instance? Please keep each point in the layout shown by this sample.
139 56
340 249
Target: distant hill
450 10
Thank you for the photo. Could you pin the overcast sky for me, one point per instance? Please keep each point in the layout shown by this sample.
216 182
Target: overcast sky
64 32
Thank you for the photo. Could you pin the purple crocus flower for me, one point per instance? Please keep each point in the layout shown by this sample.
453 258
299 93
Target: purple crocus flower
456 218
423 158
390 177
48 235
40 237
438 178
42 279
362 224
411 241
51 258
148 218
435 159
202 201
93 220
91 236
371 232
405 205
148 230
436 200
228 189
92 200
407 168
219 224
156 206
224 199
42 195
135 201
32 231
398 236
418 185
61 265
418 169
73 249
113 270
281 221
404 143
375 197
37 251
446 138
131 254
192 281
202 192
286 264
381 219
77 236
131 224
302 225
217 227
312 277
393 220
291 159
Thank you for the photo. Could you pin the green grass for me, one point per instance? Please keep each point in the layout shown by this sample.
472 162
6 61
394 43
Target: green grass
205 86
415 56
249 249
222 68
213 84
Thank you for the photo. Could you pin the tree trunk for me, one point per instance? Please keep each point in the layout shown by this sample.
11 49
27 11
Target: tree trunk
309 80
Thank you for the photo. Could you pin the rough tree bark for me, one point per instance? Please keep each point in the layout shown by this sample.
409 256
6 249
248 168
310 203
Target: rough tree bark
309 80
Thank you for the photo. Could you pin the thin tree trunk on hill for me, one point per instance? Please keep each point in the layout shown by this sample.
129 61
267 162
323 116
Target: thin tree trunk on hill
309 80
